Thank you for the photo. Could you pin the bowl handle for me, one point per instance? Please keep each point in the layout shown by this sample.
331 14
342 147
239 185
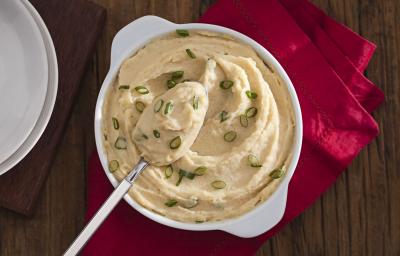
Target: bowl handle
262 220
144 28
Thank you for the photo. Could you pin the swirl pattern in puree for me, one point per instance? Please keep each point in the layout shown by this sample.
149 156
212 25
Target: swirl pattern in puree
242 147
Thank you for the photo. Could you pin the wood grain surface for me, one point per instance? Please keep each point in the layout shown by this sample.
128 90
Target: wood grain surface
359 215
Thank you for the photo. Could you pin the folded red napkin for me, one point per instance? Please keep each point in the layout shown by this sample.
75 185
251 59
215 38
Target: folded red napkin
325 61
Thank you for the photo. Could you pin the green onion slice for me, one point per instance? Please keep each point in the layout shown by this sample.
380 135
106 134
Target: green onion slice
218 184
226 84
113 165
201 170
145 136
277 173
223 116
243 121
251 112
121 143
123 87
199 221
171 202
168 171
158 105
168 107
171 84
190 53
230 136
142 89
195 102
115 123
182 32
183 173
177 75
251 95
139 106
175 142
253 161
156 134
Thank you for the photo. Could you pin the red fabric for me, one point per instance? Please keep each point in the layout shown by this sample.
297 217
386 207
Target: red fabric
325 61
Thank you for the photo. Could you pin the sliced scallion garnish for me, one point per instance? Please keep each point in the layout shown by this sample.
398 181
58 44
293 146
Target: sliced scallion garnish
171 202
199 221
175 142
195 102
139 106
251 112
243 121
182 174
168 171
113 165
182 32
223 116
123 87
158 105
177 75
277 173
201 170
253 161
171 84
121 143
218 184
142 89
190 53
145 136
156 134
168 108
226 84
251 95
115 123
230 136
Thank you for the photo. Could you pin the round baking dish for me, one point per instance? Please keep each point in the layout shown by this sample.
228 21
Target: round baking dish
268 213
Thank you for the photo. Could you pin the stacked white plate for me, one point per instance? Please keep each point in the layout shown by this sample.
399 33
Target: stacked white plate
28 80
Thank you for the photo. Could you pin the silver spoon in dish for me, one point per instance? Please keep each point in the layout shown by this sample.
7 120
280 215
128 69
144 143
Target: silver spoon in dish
199 104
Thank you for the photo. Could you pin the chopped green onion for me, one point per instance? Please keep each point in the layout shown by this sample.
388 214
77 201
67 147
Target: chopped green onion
190 53
168 171
251 112
218 184
177 75
253 161
182 32
171 84
195 103
113 165
243 121
183 173
277 173
156 133
223 116
121 143
158 105
168 107
142 89
230 136
115 123
145 136
175 142
139 106
186 80
199 171
251 95
199 221
226 84
171 202
123 87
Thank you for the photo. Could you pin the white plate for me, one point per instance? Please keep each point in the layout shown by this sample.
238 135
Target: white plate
23 75
49 99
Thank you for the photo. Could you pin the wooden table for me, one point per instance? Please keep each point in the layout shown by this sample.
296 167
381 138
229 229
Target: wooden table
359 215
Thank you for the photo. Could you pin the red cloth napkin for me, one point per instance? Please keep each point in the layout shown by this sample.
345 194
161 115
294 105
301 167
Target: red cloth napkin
325 61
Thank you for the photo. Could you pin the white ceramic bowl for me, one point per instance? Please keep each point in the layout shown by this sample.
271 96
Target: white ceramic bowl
267 214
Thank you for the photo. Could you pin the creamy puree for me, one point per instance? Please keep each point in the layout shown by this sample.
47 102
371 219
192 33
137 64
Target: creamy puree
245 138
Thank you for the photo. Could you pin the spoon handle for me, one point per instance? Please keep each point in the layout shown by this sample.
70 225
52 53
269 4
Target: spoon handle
105 209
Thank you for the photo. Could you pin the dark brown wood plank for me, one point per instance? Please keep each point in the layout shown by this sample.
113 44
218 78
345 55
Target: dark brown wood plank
359 215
